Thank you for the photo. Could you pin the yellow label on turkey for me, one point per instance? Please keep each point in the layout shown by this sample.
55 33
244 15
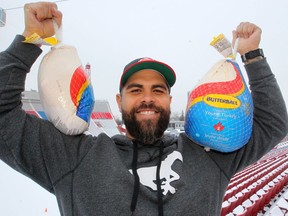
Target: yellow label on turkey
222 101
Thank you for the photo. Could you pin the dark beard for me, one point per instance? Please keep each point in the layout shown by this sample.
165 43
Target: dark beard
146 131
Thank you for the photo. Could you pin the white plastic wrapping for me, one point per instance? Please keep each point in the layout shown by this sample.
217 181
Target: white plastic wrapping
65 90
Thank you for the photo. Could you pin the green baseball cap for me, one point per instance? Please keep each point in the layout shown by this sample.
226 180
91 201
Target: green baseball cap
148 63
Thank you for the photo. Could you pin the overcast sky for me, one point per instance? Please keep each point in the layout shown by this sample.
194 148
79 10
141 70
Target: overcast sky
109 34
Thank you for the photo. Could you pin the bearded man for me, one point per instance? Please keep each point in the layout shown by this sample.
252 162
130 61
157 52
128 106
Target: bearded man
144 172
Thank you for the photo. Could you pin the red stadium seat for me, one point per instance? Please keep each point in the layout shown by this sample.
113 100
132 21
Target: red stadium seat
248 210
225 208
238 210
244 213
268 196
234 204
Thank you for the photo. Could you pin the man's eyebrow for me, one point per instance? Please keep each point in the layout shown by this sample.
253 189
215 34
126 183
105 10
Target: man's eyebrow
134 85
165 87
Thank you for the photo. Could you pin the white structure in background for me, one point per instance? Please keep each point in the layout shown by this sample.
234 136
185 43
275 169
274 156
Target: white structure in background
175 128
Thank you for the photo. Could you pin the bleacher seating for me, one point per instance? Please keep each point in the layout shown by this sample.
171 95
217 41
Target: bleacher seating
251 191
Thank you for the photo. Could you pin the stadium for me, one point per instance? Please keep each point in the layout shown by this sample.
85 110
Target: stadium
102 119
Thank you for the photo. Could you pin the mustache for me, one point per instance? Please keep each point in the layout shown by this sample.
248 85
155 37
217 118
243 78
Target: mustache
149 106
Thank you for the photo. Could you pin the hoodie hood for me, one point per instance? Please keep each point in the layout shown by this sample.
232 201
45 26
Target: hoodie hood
125 143
146 153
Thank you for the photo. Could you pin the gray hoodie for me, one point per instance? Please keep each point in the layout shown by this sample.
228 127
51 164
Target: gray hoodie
114 176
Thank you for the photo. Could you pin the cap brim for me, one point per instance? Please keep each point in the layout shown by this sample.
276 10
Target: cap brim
165 70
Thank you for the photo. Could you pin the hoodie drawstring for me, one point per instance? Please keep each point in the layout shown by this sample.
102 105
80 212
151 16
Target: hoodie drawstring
137 180
158 180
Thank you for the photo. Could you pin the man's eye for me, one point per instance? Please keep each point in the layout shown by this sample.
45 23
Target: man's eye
159 91
135 90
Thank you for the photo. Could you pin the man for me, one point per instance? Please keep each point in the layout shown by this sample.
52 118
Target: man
145 172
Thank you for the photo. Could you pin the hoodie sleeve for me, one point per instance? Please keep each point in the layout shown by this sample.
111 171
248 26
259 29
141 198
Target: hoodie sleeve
270 121
28 144
16 62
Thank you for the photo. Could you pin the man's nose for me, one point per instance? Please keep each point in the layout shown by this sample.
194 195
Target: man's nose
148 97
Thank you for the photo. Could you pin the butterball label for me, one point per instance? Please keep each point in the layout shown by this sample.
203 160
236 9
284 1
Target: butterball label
222 101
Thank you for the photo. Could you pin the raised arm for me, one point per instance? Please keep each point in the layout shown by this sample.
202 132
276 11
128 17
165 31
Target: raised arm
29 144
270 121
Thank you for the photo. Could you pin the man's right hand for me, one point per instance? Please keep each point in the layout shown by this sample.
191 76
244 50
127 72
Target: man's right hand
249 35
39 19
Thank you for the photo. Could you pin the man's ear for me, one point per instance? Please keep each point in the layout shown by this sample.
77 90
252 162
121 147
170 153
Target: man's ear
119 101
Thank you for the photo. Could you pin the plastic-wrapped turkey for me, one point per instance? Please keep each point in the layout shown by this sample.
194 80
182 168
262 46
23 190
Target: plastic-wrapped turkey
220 109
65 90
